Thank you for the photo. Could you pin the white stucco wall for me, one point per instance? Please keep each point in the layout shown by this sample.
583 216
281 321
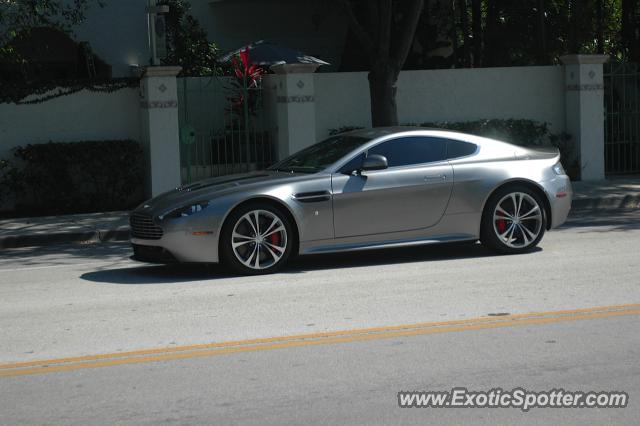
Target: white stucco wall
341 99
535 93
81 116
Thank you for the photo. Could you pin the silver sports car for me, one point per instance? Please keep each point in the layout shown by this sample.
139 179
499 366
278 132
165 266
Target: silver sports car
365 189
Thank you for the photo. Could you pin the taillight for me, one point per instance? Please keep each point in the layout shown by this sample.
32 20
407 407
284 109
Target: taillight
558 169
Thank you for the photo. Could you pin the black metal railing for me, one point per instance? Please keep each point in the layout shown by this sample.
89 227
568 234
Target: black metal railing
224 141
622 118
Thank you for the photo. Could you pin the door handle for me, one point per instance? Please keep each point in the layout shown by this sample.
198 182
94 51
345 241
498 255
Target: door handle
435 178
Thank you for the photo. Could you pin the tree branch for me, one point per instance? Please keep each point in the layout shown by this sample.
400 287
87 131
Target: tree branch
384 35
357 27
372 12
409 25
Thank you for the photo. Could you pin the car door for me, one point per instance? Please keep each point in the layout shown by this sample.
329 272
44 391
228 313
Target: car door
412 193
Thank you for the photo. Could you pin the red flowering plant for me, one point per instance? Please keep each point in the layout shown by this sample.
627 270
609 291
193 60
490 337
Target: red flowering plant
244 86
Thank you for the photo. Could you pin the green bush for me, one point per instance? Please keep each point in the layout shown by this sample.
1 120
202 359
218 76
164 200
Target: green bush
343 129
519 132
4 181
76 177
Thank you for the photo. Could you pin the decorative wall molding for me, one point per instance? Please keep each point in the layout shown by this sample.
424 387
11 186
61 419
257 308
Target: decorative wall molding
158 104
584 59
296 99
584 87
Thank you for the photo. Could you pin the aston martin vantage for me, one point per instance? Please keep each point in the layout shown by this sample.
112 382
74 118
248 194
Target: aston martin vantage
364 189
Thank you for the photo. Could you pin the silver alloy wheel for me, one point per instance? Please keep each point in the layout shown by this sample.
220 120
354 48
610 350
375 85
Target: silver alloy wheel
517 220
259 239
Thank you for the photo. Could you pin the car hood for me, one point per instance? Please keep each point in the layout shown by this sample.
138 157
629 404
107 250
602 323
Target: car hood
208 189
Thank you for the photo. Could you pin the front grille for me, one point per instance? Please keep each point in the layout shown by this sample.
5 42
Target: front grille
142 226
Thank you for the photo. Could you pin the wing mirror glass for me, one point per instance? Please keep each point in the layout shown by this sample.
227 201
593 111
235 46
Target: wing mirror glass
375 162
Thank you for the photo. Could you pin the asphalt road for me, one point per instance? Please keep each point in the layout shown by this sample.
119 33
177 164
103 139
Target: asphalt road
92 303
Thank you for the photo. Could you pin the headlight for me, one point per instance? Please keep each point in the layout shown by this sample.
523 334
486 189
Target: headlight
185 211
558 169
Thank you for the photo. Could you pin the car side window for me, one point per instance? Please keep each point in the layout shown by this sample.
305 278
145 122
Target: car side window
411 150
457 149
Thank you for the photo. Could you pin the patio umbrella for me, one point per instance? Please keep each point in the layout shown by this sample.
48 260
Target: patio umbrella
267 53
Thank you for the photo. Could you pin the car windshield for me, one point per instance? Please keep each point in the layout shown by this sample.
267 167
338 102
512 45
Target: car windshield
321 155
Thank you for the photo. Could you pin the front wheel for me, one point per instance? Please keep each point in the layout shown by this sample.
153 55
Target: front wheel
256 239
513 220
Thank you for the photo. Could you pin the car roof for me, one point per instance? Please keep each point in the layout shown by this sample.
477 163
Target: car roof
376 132
490 148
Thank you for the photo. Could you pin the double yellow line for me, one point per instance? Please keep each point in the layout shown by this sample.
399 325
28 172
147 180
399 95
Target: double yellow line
313 339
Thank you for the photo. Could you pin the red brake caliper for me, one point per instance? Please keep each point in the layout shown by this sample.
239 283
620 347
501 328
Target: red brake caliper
275 239
501 224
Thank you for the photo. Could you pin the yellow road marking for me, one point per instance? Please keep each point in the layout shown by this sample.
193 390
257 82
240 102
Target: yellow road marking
312 339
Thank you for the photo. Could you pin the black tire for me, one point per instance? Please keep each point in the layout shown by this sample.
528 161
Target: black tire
264 249
522 239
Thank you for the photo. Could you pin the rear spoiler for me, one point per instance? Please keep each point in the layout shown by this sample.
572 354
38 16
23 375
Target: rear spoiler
538 152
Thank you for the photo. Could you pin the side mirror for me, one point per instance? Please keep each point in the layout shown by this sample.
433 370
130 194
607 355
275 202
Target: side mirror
375 162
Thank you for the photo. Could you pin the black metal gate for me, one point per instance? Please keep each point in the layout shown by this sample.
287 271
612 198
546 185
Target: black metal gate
622 118
220 133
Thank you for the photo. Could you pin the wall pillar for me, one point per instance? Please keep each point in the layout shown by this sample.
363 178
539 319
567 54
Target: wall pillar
160 128
585 114
295 107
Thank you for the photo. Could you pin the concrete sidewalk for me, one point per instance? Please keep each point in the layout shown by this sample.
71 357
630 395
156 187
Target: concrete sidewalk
50 230
114 226
607 194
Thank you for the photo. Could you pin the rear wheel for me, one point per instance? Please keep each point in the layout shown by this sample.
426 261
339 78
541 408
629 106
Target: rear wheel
513 220
256 239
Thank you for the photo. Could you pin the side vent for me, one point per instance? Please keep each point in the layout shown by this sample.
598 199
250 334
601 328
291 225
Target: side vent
312 197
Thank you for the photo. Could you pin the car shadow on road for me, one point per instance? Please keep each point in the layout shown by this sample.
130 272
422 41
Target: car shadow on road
157 274
180 273
426 253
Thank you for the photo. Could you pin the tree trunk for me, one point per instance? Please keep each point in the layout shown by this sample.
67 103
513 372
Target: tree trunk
542 36
382 86
491 37
600 26
630 27
464 24
635 43
454 35
476 30
574 17
387 44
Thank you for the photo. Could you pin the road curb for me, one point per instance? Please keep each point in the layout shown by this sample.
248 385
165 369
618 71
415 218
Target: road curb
39 240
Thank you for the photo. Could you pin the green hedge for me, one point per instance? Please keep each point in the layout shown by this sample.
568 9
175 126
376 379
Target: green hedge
4 179
519 132
75 177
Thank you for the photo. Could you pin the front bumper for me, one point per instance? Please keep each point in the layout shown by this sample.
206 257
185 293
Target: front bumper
152 254
180 240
